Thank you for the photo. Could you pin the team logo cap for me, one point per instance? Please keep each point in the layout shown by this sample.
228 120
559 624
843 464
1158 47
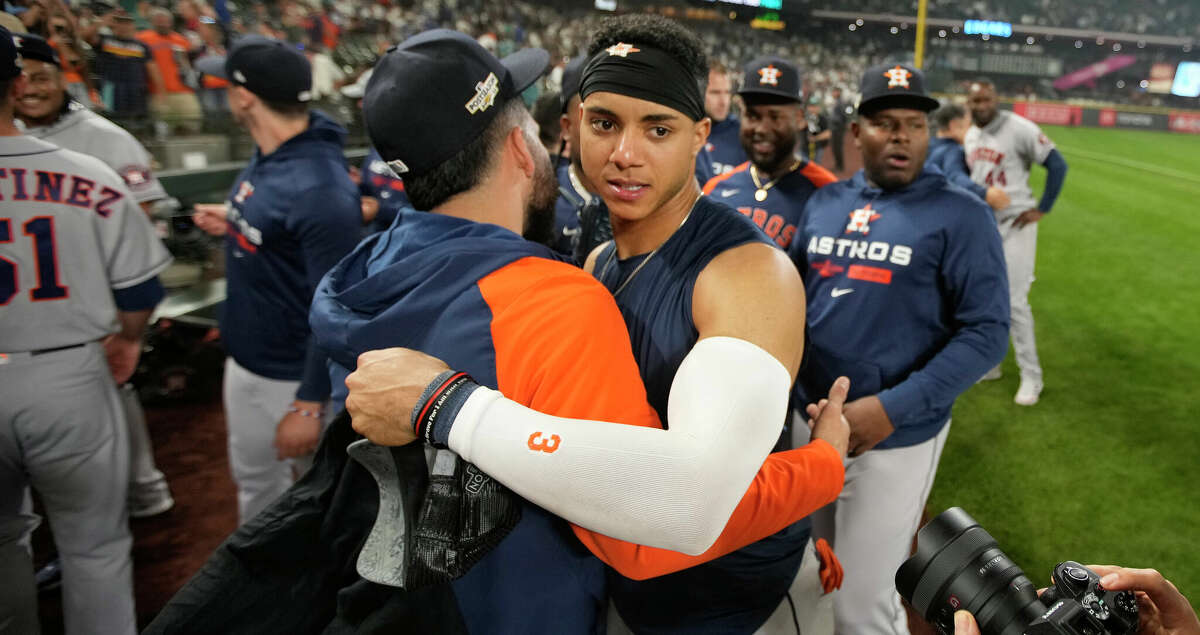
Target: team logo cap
273 70
894 86
10 60
32 47
774 77
437 91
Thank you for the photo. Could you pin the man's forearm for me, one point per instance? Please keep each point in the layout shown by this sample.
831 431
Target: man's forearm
133 323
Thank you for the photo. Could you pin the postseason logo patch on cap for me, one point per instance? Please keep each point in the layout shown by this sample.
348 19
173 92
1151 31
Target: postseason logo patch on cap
485 94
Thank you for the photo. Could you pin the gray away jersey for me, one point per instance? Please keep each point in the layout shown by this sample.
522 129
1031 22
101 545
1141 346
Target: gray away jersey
70 233
82 130
1001 153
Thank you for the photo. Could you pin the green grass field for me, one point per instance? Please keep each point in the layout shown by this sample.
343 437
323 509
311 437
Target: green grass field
1106 468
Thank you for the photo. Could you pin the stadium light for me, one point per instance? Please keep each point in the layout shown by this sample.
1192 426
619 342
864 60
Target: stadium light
941 32
1145 83
859 22
894 30
1029 40
1116 47
1078 44
985 37
1120 83
853 27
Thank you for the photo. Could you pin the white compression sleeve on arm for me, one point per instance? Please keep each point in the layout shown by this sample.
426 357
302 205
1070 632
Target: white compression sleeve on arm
673 489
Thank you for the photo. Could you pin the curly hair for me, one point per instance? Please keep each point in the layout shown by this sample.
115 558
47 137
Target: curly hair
653 30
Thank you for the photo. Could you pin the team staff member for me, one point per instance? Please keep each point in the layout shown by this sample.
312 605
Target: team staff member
688 275
78 280
723 147
382 191
291 215
773 186
49 114
575 192
1000 148
840 112
946 154
906 297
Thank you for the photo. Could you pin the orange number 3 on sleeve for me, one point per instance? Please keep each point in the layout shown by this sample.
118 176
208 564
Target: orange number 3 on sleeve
549 446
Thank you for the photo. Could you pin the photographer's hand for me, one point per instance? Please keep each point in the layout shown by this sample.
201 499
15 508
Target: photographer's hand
964 624
1162 609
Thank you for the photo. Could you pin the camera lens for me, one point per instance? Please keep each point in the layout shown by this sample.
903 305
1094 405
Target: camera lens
958 565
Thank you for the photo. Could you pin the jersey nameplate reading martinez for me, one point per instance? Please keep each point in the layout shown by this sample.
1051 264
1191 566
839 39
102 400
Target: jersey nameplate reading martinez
44 186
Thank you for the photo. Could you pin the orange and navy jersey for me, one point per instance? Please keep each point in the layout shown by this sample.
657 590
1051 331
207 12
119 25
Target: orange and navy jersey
167 51
548 336
778 214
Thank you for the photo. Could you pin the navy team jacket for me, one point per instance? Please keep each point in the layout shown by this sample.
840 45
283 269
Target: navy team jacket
907 296
292 215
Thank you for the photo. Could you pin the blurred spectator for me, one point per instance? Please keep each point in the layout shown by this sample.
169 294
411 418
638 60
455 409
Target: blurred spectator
819 133
173 100
327 77
125 68
212 89
61 35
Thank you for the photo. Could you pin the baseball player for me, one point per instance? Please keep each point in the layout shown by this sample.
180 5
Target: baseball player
78 279
907 298
292 213
773 186
48 113
724 149
946 154
1000 147
382 191
575 192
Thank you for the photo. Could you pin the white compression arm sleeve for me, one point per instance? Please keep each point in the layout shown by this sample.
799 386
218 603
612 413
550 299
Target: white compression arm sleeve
674 489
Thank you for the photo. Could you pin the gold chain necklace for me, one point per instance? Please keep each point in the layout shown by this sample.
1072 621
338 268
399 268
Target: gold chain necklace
760 194
638 269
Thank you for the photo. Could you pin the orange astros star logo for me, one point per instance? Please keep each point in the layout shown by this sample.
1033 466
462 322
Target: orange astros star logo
897 77
860 220
622 49
769 75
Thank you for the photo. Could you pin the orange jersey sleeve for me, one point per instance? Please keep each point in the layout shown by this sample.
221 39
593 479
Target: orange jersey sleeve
716 180
817 174
562 348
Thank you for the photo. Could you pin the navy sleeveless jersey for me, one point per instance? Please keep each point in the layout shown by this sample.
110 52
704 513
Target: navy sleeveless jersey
737 592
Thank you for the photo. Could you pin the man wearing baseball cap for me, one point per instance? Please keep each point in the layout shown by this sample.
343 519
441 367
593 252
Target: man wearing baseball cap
49 113
292 213
773 186
907 297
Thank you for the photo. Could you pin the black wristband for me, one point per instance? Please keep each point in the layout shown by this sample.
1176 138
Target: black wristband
433 415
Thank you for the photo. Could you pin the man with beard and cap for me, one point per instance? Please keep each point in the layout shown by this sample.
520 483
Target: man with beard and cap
907 297
458 281
712 308
292 213
50 114
1000 148
773 186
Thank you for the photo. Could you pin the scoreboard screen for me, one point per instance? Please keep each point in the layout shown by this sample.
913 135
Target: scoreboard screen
1187 80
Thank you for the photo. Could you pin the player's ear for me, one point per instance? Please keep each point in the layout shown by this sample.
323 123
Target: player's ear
522 153
855 130
701 130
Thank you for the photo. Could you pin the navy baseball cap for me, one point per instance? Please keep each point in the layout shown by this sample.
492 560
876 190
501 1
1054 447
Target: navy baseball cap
572 74
273 70
437 91
10 64
32 47
894 86
773 77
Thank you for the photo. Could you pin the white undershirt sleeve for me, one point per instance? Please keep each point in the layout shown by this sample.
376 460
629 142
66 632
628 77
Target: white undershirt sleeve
673 489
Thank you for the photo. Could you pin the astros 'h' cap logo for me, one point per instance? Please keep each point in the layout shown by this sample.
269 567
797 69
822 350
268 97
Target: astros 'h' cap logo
769 75
622 49
897 77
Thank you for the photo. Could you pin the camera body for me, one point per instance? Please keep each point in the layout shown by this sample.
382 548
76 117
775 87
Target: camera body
959 566
1077 604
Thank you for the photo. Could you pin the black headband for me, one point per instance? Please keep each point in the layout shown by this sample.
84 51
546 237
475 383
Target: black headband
643 72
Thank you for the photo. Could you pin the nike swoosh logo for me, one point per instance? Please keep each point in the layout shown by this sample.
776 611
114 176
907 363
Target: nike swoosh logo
837 293
728 193
567 231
